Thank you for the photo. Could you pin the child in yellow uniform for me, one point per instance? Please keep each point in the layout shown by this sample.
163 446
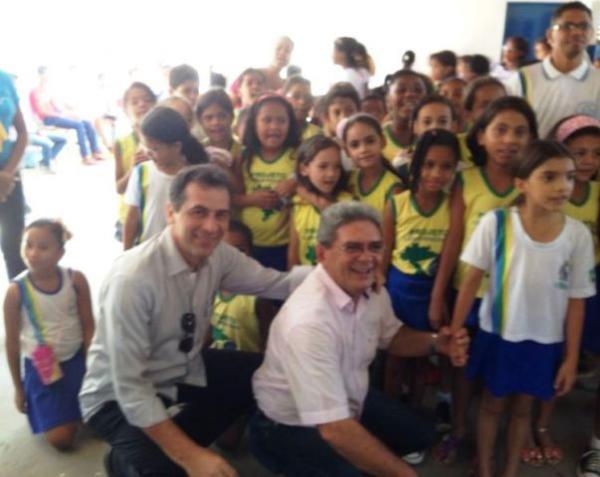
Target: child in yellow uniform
266 171
297 91
404 89
240 322
340 102
137 101
496 141
319 170
373 180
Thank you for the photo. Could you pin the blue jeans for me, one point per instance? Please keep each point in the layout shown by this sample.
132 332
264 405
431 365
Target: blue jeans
85 132
301 451
51 145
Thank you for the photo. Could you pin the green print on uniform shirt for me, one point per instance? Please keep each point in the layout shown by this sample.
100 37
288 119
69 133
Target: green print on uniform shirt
414 254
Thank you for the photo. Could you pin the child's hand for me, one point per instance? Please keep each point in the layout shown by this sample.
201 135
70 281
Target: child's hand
20 401
455 345
565 378
140 156
266 199
286 188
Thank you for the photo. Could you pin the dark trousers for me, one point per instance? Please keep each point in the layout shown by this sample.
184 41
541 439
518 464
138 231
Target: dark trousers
12 222
208 412
301 451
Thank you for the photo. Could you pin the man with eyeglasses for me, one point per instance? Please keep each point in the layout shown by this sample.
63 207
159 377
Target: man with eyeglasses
317 414
565 82
147 358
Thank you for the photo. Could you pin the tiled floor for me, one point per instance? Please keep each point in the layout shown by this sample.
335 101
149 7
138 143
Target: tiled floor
84 198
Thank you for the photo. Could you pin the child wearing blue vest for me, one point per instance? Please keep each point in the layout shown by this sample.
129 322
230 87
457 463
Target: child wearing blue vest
49 322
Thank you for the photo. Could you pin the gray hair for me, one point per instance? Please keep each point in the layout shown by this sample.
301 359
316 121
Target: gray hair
343 213
205 175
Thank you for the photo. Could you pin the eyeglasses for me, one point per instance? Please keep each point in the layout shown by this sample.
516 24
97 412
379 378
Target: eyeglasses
356 248
583 27
188 325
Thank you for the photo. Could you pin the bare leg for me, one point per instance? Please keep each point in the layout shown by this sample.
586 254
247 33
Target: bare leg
62 437
490 410
520 421
552 453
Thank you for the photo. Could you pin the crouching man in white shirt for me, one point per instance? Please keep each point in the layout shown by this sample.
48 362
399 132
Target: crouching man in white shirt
317 415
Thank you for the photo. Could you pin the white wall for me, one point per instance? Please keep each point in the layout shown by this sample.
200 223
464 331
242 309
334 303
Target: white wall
118 34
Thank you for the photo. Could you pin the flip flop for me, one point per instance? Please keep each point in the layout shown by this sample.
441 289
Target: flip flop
532 456
446 451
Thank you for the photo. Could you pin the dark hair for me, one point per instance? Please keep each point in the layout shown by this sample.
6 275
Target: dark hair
214 96
570 6
217 80
584 131
55 227
475 86
205 175
239 227
294 80
138 85
168 126
377 93
250 140
432 99
355 52
450 79
293 70
535 154
307 152
180 74
433 137
392 78
339 90
521 45
251 71
507 103
445 58
479 65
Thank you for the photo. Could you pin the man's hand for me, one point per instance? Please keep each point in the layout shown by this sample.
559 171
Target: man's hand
454 345
206 463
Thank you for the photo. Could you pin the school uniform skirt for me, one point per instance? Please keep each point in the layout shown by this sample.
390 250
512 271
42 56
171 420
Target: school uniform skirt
507 367
49 406
410 295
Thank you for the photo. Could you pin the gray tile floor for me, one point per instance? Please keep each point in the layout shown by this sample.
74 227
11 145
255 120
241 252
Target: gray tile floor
83 197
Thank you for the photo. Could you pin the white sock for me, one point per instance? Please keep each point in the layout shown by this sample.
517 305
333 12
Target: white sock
595 443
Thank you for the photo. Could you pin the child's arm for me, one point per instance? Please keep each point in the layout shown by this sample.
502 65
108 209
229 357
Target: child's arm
121 175
286 188
389 239
438 311
320 202
265 311
265 199
12 325
466 296
567 373
131 227
84 308
293 257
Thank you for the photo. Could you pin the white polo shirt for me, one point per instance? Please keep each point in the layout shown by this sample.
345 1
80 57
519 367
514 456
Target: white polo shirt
554 95
320 347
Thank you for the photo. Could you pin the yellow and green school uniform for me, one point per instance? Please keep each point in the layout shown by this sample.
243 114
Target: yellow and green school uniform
310 130
378 194
479 197
392 147
586 211
466 157
235 323
306 219
418 240
127 146
269 227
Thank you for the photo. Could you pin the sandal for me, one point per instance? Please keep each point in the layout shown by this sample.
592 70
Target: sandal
532 456
447 450
552 453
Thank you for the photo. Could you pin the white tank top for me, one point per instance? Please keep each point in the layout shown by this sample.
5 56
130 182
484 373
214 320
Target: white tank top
58 313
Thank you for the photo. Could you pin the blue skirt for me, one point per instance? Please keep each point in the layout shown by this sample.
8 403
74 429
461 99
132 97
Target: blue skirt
507 367
56 404
590 340
271 257
410 295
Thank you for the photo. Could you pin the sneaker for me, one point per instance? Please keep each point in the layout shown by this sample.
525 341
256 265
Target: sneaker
589 464
415 458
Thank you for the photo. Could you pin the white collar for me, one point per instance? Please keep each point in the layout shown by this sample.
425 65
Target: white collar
578 73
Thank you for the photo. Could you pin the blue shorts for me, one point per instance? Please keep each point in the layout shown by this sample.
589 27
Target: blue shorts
271 257
410 295
507 367
590 340
56 404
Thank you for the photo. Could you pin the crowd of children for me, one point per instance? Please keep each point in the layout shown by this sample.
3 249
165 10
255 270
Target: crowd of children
485 226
